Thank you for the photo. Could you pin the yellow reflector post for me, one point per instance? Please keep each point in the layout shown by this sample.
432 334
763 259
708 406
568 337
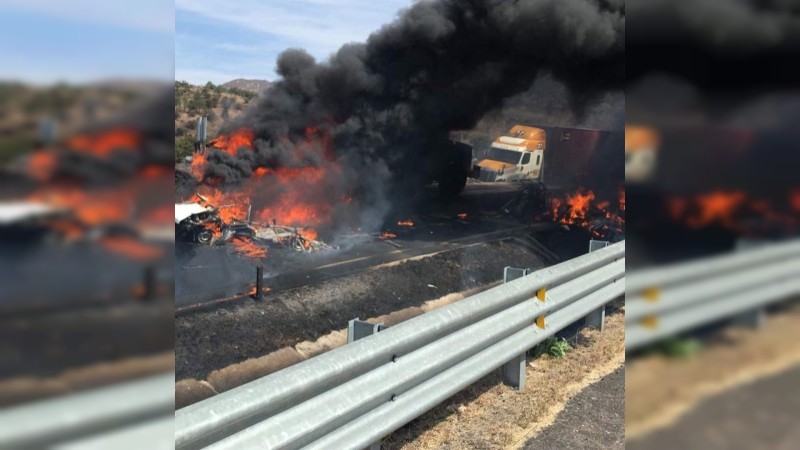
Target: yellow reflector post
540 322
541 293
652 294
650 322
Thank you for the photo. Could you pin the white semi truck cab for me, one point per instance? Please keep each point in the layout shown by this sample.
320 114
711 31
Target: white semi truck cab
516 156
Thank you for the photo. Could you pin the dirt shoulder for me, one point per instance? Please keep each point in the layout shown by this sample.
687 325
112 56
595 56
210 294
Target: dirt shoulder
210 340
491 415
661 390
758 415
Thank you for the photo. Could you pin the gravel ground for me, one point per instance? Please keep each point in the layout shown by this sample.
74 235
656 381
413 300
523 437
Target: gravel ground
210 340
45 345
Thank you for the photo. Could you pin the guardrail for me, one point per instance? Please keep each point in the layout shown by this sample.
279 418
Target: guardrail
663 302
134 414
353 396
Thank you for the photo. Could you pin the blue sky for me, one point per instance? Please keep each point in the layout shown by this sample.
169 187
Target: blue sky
78 41
220 40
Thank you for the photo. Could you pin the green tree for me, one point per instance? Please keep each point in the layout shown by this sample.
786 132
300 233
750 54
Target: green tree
184 146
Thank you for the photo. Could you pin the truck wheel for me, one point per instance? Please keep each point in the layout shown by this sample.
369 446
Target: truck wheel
204 236
452 183
298 245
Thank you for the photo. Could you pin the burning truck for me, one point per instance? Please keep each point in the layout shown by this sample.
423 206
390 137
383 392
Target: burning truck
556 166
527 153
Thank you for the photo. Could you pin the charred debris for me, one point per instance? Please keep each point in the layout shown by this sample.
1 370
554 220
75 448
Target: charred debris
201 223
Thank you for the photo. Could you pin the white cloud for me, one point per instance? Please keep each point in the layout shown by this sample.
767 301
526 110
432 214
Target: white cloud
319 26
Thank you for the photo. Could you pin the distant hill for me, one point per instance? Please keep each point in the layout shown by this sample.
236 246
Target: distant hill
256 86
219 103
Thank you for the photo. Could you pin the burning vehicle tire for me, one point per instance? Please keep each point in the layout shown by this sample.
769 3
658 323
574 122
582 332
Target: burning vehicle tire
192 222
203 236
298 244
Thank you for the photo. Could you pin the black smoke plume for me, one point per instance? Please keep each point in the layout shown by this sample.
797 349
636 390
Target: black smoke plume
389 103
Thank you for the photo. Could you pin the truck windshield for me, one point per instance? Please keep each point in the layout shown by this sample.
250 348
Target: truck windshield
502 155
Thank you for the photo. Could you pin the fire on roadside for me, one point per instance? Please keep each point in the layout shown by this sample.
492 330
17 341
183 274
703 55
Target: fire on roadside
248 248
736 211
582 208
296 194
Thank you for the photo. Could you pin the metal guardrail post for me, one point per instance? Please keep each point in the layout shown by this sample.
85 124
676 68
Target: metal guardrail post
597 318
359 329
597 245
756 317
752 319
513 372
512 273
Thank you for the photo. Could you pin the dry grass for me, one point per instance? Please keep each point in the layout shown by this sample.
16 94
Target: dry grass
490 415
660 389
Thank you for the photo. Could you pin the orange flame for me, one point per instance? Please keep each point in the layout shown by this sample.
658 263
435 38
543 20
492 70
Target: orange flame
716 207
579 205
102 144
575 210
405 223
248 248
308 234
794 200
92 208
231 143
734 210
42 164
231 206
131 248
198 165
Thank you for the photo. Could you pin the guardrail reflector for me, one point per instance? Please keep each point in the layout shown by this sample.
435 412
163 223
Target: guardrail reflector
650 322
541 293
652 294
540 322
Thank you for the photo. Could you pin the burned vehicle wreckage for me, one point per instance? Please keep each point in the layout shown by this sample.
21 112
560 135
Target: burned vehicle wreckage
202 224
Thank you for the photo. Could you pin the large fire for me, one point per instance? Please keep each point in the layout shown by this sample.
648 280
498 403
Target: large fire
231 143
42 164
103 144
246 247
735 210
583 209
132 248
298 194
133 203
